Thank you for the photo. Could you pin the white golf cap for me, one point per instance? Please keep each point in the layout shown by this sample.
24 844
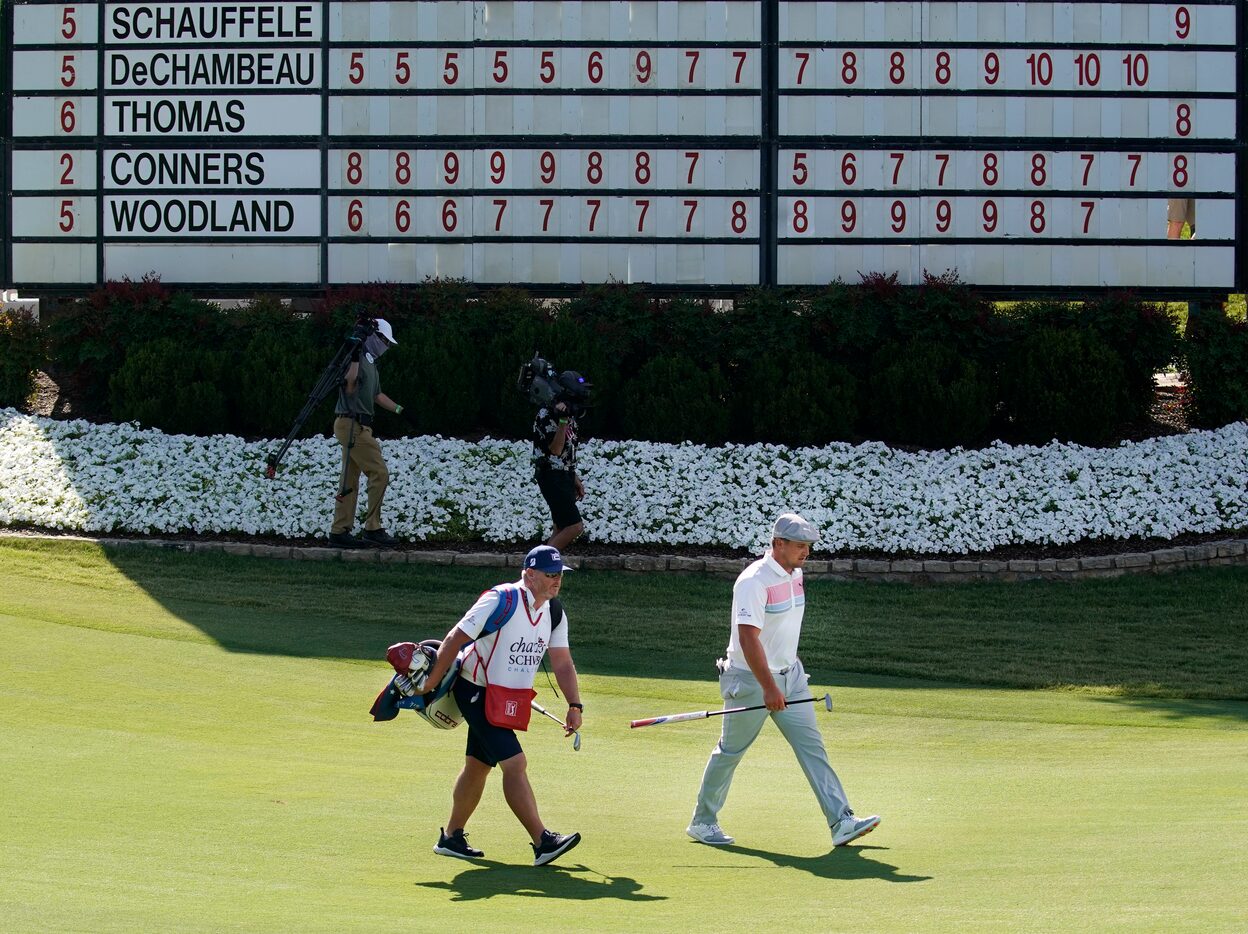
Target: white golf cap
384 329
792 527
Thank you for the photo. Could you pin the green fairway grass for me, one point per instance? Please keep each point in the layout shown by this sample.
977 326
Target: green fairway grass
186 747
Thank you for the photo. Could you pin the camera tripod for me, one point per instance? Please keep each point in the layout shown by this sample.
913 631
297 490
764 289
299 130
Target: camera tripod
329 380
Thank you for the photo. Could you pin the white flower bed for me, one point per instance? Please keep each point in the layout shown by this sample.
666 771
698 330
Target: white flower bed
120 478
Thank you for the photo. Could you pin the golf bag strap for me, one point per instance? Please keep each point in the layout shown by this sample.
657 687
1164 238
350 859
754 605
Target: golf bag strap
508 600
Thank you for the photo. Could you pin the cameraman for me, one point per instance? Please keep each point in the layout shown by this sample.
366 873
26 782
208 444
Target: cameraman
353 427
554 457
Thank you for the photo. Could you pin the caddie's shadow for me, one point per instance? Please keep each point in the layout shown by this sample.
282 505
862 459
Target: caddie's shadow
845 862
488 878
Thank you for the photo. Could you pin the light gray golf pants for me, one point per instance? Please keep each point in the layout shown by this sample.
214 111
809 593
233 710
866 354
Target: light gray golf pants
741 689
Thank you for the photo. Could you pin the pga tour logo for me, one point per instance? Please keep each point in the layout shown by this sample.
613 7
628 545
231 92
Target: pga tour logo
512 708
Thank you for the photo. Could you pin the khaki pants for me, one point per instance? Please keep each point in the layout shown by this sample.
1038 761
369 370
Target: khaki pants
364 455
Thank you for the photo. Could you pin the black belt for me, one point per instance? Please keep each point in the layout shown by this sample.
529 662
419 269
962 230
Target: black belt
365 420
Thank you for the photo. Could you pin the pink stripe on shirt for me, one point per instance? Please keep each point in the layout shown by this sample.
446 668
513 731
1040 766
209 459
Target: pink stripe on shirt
785 595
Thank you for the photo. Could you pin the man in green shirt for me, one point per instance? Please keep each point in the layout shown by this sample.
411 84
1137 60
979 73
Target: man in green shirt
353 427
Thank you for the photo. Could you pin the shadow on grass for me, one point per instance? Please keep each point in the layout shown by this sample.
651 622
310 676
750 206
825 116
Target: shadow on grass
1166 644
845 862
488 878
1180 709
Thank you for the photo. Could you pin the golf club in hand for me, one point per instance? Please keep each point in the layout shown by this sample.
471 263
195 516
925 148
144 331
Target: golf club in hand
703 714
576 736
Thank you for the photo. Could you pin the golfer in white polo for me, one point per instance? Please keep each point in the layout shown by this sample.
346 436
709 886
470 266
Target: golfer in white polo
762 667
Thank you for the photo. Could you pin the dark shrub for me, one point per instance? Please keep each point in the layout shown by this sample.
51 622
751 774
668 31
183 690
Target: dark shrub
671 399
1064 384
800 399
1217 368
762 321
849 324
168 385
621 320
90 338
432 373
270 379
23 352
840 326
397 303
927 395
1144 335
947 311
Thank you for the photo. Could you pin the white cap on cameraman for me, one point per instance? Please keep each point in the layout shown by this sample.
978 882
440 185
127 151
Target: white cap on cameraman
384 329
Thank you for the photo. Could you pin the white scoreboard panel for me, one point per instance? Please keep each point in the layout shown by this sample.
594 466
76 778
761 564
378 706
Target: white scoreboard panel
696 143
1024 144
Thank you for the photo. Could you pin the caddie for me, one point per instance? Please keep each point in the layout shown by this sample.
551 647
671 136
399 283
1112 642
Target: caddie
494 691
762 668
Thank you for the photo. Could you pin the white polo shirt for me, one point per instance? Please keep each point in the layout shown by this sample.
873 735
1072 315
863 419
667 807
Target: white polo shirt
773 601
510 657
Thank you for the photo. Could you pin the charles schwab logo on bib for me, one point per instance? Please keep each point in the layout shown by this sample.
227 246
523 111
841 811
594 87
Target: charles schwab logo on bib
526 654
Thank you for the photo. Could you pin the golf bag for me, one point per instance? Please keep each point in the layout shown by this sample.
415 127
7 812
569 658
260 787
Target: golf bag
437 705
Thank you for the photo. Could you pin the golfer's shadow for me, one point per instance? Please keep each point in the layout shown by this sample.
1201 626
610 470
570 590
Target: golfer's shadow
844 862
488 878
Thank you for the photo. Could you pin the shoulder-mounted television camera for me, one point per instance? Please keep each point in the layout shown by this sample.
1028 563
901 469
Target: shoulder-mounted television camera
365 326
545 386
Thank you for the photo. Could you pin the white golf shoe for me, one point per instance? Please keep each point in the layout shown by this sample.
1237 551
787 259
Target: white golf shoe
710 834
850 828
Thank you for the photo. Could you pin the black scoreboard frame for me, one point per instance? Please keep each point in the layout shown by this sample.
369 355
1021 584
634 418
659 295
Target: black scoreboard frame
768 145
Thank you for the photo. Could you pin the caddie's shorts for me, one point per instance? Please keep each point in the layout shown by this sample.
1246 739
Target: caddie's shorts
559 490
486 742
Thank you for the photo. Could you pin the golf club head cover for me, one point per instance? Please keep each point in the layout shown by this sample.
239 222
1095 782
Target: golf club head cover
406 657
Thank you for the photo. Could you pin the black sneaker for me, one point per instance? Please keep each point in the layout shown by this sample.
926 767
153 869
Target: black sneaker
456 845
344 540
553 846
379 538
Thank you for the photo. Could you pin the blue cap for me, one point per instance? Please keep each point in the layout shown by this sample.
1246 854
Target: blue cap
545 558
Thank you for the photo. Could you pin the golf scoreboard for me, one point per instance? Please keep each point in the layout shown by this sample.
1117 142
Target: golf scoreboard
704 144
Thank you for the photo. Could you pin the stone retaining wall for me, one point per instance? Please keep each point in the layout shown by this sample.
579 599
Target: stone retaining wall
1230 552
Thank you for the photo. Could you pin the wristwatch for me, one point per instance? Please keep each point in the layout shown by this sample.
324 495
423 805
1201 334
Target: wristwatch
580 707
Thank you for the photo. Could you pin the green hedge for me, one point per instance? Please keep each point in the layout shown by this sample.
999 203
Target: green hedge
931 366
169 385
23 352
1216 367
1144 337
89 339
926 394
1065 384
